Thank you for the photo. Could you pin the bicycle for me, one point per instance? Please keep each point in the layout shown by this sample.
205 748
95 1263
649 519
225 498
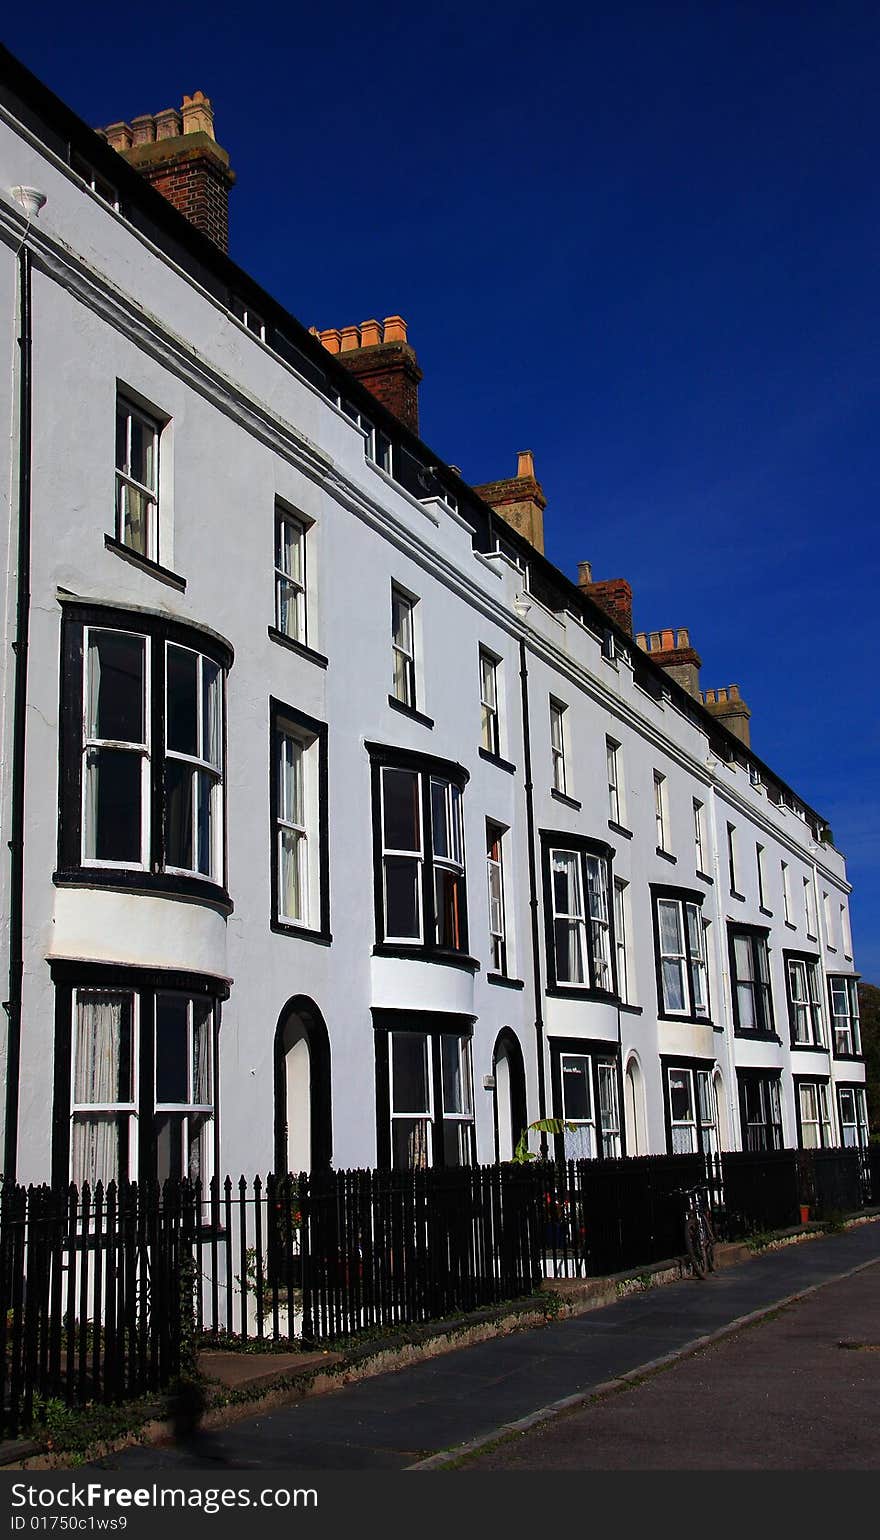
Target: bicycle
699 1236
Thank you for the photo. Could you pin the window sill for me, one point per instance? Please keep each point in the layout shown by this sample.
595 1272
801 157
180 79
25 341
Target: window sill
582 992
164 574
809 1048
849 1058
789 926
410 711
828 948
757 1037
688 1021
767 912
422 954
740 897
631 1010
704 877
560 796
503 981
618 828
495 759
299 648
168 884
300 932
665 855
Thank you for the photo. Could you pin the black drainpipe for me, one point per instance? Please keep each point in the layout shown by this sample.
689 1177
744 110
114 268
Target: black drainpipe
19 722
533 891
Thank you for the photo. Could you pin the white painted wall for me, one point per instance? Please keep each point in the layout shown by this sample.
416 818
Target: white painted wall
244 430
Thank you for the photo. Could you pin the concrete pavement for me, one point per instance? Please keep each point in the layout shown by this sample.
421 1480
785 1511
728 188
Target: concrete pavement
398 1420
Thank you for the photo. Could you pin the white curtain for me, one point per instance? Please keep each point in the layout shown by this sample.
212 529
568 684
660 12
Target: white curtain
95 1155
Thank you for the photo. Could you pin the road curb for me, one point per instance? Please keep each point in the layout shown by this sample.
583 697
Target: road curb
581 1398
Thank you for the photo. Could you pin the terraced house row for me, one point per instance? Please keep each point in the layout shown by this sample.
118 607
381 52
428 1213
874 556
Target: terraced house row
342 827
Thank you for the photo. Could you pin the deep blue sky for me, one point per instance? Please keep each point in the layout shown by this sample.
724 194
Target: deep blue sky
641 240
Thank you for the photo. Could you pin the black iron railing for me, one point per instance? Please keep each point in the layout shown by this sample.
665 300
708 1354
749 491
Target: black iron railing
110 1294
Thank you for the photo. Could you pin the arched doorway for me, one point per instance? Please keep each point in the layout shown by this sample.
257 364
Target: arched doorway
510 1093
634 1100
303 1121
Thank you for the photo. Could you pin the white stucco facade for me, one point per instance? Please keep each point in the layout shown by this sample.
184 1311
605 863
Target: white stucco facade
243 434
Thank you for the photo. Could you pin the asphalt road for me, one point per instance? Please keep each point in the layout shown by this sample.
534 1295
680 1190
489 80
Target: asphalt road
395 1421
798 1390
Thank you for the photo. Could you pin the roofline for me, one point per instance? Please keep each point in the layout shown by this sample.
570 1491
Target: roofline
77 134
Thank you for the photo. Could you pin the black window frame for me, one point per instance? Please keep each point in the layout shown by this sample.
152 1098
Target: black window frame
582 846
147 984
434 1025
662 892
427 767
756 935
754 1078
160 632
304 727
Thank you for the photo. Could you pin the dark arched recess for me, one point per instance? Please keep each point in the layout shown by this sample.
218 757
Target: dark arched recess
299 1019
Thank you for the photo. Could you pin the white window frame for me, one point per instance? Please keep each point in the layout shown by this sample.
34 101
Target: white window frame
689 958
854 1132
453 860
200 766
698 835
490 718
660 811
805 1002
810 917
416 855
613 764
600 928
462 1122
495 876
818 1118
684 1138
85 1112
841 983
557 746
826 916
609 1109
845 932
93 745
403 648
584 1133
190 1108
299 823
574 918
621 937
125 479
291 576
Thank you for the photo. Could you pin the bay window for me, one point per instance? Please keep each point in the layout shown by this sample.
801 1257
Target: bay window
760 1106
135 1074
425 1080
420 879
577 904
142 751
680 940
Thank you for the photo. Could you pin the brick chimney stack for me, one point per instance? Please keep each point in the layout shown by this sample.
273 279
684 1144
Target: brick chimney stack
673 651
176 151
520 500
614 595
728 706
383 360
